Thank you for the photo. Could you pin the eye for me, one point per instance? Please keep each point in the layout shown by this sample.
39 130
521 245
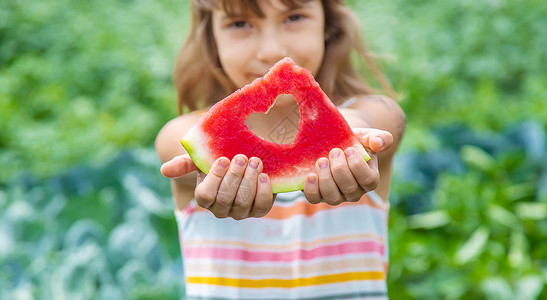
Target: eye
239 24
295 17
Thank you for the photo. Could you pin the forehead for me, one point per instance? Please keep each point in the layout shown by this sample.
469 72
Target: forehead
236 7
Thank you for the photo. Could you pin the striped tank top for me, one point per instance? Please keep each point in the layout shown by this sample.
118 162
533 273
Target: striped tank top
297 251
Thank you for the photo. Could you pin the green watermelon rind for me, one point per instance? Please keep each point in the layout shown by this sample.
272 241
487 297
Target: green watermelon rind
193 144
363 152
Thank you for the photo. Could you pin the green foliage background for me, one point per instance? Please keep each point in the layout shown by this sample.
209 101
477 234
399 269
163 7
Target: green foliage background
85 86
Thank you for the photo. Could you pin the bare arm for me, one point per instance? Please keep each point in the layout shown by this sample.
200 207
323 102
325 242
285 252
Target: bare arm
168 148
383 113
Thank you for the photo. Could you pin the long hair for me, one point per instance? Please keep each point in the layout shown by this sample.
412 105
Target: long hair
200 80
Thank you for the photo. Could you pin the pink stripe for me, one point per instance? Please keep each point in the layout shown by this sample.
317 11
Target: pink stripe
302 254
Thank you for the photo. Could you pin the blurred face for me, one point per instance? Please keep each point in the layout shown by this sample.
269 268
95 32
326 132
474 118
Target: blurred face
248 45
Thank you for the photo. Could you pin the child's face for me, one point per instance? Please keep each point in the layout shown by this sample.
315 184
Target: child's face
248 45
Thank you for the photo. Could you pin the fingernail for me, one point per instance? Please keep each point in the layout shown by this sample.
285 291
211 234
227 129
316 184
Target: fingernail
253 163
263 178
335 153
311 179
323 164
350 152
380 141
240 161
223 163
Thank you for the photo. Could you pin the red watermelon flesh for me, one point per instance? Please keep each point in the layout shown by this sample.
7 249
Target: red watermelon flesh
222 131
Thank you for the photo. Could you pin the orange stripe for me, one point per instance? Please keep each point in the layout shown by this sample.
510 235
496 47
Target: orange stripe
308 209
287 283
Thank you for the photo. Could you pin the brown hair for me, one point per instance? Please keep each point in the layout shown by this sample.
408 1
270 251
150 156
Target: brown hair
200 80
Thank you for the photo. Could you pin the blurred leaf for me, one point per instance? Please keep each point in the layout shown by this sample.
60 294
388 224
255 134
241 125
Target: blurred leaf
529 287
146 197
518 250
428 220
503 217
532 211
520 191
478 158
533 137
473 246
497 288
82 232
542 187
7 241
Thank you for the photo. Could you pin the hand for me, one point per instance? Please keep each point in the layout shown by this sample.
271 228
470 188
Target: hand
345 176
236 189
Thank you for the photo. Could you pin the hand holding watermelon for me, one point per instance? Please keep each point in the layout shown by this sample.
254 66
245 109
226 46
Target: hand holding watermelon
344 175
235 188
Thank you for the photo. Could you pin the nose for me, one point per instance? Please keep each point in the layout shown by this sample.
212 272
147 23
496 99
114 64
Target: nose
272 47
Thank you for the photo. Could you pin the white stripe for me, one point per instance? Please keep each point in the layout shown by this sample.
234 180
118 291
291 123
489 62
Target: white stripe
290 197
283 293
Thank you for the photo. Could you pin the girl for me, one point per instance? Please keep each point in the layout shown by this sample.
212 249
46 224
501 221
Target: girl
238 240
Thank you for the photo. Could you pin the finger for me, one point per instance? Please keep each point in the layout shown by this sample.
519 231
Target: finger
365 173
327 187
374 139
207 185
311 189
201 176
264 198
229 186
343 177
245 196
178 166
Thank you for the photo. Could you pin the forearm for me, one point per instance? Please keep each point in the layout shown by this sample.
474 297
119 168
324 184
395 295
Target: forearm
183 189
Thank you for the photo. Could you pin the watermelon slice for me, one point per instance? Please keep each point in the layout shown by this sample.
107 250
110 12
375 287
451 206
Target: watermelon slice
222 131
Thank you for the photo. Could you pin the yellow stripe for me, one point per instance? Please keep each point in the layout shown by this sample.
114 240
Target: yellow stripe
287 283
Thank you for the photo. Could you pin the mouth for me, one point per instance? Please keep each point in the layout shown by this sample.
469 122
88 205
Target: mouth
256 75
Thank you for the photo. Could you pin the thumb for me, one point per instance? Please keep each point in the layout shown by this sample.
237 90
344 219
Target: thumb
178 166
376 140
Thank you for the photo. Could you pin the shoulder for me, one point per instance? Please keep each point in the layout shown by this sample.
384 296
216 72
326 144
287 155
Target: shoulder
376 111
168 139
